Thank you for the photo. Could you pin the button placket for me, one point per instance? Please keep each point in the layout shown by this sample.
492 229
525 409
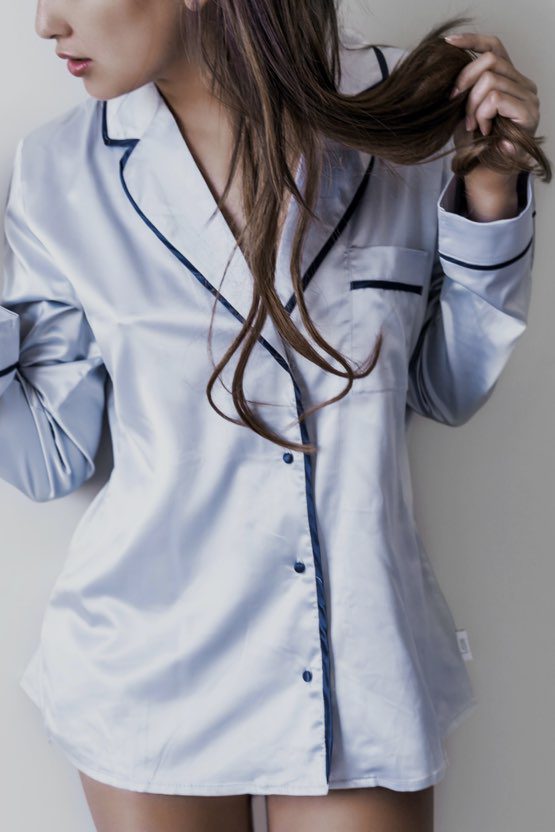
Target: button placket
303 469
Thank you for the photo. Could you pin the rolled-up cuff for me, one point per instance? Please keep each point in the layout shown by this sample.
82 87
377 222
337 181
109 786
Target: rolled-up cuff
493 259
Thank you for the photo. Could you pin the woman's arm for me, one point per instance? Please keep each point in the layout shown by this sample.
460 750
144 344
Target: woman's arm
51 373
477 305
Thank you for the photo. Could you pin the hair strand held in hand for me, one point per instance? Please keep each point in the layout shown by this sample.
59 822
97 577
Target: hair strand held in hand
276 67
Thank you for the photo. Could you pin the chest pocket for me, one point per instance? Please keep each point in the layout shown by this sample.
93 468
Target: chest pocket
387 288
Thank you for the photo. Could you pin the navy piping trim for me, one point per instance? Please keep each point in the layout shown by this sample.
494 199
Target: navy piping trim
7 370
383 65
106 138
311 510
493 265
359 193
386 284
320 593
290 305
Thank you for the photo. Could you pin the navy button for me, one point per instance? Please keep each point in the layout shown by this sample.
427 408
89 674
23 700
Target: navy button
307 675
287 457
299 566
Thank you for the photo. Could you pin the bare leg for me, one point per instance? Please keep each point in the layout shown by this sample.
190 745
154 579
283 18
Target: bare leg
120 810
374 809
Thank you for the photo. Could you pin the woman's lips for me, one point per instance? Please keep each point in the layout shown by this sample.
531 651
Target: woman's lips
78 66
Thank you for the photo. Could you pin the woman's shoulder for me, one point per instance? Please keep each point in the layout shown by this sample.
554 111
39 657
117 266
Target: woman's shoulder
57 144
57 133
55 154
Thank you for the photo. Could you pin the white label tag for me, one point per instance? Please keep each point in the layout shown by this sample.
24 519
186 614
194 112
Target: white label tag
464 645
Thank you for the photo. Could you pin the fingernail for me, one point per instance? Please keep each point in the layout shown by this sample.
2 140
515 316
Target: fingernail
468 121
454 92
452 37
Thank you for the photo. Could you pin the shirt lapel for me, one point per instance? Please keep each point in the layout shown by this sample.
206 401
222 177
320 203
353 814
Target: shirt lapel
167 189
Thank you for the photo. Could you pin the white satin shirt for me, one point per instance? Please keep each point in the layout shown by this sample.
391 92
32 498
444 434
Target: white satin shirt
233 617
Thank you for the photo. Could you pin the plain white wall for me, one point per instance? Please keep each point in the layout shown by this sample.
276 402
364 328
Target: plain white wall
483 493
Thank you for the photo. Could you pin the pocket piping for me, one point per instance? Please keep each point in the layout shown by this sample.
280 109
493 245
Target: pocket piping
396 279
387 284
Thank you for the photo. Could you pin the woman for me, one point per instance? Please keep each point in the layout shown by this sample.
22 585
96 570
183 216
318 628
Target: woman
247 607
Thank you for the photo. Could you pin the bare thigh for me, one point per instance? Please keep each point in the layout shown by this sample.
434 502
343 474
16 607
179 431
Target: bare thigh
120 810
374 809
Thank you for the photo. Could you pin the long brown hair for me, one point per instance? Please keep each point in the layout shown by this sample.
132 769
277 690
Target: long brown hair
276 66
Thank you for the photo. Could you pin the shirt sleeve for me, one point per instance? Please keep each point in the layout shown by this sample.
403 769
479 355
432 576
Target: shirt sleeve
477 305
52 376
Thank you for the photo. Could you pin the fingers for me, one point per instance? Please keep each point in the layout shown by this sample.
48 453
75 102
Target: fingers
491 88
479 43
495 85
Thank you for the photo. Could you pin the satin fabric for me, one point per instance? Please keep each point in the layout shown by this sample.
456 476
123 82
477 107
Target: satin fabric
232 618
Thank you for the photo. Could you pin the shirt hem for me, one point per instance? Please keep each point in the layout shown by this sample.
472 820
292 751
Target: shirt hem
245 787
